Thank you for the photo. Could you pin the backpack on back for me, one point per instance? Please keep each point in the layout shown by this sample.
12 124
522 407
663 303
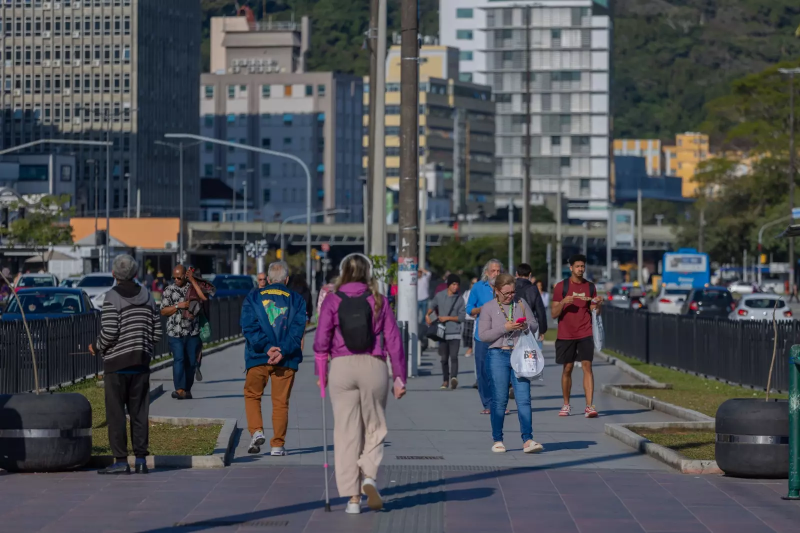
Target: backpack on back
355 322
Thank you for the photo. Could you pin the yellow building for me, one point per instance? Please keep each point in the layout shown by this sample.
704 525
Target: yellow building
441 97
650 149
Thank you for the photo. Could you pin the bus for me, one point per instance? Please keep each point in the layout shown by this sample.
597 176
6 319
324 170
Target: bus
686 268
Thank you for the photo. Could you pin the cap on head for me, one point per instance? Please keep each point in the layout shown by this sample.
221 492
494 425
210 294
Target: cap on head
124 267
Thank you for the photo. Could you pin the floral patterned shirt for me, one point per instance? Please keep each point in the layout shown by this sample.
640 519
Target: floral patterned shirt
177 326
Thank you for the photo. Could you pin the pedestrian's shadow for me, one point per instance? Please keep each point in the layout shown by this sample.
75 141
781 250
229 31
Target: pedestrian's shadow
431 498
569 445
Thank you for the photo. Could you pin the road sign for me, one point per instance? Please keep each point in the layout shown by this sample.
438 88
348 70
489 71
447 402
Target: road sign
326 247
796 213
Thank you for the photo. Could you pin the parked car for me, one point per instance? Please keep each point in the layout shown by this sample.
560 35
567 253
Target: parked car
48 302
711 302
669 300
69 282
233 285
761 307
621 295
742 287
27 281
96 284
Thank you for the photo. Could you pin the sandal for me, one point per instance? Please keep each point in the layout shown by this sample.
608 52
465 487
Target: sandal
532 447
486 412
499 447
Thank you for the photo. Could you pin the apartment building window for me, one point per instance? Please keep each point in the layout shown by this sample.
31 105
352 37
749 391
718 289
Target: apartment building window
320 90
464 35
265 91
106 83
266 170
117 25
37 55
267 196
27 55
209 170
465 55
231 92
208 121
288 119
126 25
465 77
37 27
287 141
208 147
243 90
126 54
231 118
266 142
309 90
97 26
97 53
107 26
231 148
126 83
464 13
209 91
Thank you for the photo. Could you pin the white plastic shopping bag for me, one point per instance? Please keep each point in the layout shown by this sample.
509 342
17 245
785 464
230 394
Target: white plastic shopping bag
527 358
597 331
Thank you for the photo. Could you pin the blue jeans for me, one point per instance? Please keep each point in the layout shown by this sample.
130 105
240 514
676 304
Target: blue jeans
484 390
499 371
184 352
422 309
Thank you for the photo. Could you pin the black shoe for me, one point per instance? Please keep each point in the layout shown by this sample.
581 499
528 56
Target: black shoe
198 376
115 469
141 468
179 395
475 385
511 395
187 395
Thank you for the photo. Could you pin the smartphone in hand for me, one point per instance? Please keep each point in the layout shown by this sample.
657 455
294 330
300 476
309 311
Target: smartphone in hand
521 320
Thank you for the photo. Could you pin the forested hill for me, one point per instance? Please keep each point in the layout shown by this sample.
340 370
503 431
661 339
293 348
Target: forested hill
669 57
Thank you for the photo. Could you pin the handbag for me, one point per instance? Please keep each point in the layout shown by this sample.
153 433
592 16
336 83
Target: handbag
205 328
436 331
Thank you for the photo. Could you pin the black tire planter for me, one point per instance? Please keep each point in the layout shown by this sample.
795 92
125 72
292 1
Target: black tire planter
753 438
45 432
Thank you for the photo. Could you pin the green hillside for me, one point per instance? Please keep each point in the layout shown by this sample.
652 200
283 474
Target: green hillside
670 56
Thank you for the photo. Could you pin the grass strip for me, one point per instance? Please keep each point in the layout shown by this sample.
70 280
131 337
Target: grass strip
165 439
691 443
690 391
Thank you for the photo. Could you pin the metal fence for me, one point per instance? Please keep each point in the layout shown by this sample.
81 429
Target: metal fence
62 346
738 351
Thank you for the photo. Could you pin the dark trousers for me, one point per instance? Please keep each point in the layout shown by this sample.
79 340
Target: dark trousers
485 392
184 352
448 351
131 391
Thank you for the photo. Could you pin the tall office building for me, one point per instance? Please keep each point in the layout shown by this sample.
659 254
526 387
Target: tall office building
567 45
92 69
259 94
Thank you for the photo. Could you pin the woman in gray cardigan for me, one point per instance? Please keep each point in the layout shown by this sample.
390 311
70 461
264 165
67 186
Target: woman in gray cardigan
499 328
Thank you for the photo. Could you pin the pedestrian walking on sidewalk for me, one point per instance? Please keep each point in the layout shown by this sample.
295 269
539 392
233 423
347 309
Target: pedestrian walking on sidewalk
481 293
502 322
183 331
449 308
130 326
528 291
573 301
349 330
261 280
468 331
273 323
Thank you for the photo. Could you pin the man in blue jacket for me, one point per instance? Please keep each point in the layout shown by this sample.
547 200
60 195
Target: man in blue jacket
273 322
479 294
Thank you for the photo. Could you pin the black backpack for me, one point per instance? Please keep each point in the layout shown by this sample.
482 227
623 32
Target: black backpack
355 322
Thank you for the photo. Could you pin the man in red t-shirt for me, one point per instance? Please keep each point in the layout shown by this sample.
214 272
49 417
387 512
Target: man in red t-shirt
572 308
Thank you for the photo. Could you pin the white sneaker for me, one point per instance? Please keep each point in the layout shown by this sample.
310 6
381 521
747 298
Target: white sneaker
256 442
353 508
370 489
278 451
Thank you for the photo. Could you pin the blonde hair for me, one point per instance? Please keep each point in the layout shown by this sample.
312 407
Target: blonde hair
503 280
356 269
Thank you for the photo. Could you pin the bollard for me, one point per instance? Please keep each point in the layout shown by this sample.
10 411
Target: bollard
794 424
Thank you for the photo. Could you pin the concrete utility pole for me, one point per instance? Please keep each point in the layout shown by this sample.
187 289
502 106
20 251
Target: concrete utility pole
244 240
526 181
456 163
371 43
511 235
378 233
108 192
559 253
408 245
639 248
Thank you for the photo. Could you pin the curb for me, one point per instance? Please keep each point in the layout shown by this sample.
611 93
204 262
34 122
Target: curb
672 458
657 405
628 369
220 458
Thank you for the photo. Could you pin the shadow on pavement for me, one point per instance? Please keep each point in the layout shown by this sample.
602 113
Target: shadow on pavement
417 499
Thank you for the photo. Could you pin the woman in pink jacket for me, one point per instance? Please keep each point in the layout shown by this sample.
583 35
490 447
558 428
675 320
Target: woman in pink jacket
358 379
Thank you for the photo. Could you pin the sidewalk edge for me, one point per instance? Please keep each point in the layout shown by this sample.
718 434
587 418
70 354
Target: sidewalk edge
657 405
670 457
628 369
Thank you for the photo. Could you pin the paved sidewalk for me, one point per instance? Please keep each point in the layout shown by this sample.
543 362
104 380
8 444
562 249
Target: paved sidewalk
429 422
584 482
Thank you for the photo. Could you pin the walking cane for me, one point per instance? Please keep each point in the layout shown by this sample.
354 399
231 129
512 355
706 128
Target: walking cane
322 380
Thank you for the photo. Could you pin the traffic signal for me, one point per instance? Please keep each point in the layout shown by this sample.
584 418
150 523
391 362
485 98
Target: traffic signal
763 259
280 254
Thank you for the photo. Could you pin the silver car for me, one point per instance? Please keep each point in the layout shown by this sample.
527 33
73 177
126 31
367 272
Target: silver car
620 295
761 307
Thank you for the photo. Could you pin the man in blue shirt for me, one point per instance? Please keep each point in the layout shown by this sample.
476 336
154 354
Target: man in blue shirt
482 292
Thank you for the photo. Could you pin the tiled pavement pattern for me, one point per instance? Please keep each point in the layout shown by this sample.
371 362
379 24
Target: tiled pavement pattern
583 482
418 500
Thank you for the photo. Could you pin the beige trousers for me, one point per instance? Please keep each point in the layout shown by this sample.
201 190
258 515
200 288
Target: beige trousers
358 385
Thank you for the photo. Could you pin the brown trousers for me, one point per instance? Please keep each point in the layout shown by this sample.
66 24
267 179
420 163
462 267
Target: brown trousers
359 385
254 385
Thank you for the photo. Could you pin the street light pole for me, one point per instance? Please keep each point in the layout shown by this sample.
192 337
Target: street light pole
244 240
108 190
276 154
233 228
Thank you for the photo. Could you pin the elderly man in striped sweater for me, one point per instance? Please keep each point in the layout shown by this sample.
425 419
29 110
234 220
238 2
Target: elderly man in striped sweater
130 326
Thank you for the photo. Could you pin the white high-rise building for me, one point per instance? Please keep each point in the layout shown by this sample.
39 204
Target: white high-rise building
569 45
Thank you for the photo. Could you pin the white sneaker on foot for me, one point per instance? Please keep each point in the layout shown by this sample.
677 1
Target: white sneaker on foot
278 451
353 508
256 442
374 500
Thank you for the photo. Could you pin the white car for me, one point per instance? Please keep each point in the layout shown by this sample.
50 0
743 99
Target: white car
761 307
741 287
669 301
96 284
36 281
